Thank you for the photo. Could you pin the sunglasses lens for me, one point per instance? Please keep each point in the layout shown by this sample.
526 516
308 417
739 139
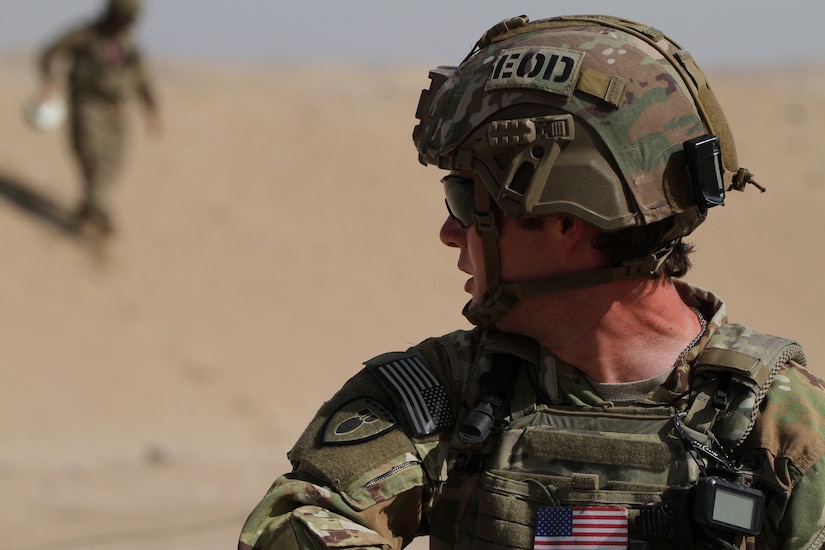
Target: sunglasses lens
460 199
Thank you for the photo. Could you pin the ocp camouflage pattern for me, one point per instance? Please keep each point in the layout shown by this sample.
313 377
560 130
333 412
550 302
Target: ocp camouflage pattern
399 487
645 130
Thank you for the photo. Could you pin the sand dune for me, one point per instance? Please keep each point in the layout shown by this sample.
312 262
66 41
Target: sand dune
280 232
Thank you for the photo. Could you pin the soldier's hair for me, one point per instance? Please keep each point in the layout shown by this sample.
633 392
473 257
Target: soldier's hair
637 242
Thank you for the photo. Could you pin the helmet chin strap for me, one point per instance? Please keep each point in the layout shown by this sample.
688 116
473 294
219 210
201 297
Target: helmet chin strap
500 297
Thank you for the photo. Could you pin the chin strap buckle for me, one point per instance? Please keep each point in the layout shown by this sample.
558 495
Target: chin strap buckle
650 265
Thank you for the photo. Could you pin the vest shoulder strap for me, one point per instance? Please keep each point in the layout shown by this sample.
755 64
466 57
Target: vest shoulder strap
733 374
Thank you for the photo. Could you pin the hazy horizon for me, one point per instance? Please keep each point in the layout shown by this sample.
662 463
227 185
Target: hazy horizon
729 34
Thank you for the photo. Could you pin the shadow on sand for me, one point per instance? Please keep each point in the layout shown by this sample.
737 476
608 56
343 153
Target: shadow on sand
50 213
37 205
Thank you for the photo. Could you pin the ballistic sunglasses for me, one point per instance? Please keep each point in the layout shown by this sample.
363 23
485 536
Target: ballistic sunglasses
460 193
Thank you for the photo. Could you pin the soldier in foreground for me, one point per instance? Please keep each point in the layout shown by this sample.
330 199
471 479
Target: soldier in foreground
105 67
599 401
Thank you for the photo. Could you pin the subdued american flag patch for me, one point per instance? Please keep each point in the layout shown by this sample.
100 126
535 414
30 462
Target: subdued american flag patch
423 399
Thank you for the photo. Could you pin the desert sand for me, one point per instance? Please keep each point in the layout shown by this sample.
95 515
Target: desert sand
279 233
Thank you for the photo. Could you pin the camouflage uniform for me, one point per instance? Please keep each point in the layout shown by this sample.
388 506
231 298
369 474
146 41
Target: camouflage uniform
363 478
605 121
105 69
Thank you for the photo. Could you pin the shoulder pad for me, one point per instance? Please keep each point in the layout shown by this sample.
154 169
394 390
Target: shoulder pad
737 348
752 360
419 393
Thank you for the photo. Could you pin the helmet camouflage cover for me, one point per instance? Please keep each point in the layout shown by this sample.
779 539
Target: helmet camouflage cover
591 116
127 9
527 110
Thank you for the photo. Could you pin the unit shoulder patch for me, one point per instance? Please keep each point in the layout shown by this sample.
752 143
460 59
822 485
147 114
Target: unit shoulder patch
360 419
554 70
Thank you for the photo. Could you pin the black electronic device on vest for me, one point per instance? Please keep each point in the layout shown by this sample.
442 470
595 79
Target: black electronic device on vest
486 416
728 505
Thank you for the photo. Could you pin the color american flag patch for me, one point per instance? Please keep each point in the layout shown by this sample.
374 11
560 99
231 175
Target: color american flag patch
581 528
424 400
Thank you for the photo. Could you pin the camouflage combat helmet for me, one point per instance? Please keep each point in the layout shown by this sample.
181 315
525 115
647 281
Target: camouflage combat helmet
596 117
123 9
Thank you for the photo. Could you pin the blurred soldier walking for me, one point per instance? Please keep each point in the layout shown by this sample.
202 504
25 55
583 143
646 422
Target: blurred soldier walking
105 67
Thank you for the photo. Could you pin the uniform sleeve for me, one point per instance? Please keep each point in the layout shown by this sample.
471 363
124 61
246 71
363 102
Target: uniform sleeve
803 525
357 480
63 46
143 83
302 514
789 438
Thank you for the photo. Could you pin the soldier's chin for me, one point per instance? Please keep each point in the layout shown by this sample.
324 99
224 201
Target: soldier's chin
468 287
